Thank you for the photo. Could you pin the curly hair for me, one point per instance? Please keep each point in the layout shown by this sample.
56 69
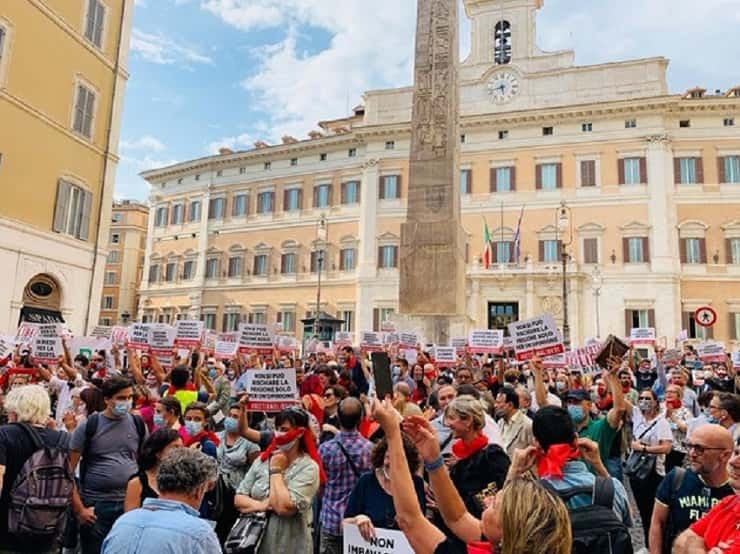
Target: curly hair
377 456
184 470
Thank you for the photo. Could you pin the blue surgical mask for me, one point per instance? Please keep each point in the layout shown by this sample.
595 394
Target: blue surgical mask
713 420
158 420
560 386
231 424
576 414
212 373
193 427
121 408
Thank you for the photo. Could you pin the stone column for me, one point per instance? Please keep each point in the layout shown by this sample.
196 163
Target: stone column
367 265
196 297
147 256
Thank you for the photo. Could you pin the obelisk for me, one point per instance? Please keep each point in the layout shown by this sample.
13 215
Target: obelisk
432 269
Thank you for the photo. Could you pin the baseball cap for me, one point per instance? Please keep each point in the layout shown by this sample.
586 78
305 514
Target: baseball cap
578 394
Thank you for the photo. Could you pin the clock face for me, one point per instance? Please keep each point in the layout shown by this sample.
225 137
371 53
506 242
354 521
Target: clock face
503 87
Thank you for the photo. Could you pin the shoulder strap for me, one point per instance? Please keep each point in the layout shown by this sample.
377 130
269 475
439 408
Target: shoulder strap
678 474
445 442
352 465
91 426
603 492
567 494
646 431
33 435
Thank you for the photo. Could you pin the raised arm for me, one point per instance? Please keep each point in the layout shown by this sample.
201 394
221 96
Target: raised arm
540 392
135 367
615 416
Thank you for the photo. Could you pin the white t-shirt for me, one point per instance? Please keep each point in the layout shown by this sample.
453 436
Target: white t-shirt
660 431
552 400
64 394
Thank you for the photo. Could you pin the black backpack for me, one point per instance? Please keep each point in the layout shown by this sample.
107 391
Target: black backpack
596 528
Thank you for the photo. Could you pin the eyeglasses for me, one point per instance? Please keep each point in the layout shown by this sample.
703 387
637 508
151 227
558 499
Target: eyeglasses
699 448
328 395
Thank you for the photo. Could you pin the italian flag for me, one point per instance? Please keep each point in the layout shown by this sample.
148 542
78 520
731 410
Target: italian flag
487 250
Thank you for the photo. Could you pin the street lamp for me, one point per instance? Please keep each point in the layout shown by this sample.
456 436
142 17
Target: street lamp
565 230
597 280
321 234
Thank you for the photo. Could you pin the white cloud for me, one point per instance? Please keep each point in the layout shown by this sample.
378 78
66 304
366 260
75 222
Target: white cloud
239 142
147 142
157 48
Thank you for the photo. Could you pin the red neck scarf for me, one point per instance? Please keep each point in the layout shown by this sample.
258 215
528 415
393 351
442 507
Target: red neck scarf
209 435
551 464
309 446
463 451
479 547
172 389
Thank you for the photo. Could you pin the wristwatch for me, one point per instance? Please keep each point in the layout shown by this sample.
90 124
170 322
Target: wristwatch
276 472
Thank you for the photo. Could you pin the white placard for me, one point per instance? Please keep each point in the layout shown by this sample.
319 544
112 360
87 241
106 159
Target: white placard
102 331
7 345
162 337
390 338
408 340
445 356
711 352
388 327
736 360
487 341
119 335
385 541
188 333
672 357
370 341
271 390
459 344
410 355
26 332
538 336
557 361
224 350
286 344
46 350
642 335
138 336
87 345
256 338
343 338
683 336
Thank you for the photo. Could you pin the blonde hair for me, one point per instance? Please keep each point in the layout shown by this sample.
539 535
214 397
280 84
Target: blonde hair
468 407
30 404
534 520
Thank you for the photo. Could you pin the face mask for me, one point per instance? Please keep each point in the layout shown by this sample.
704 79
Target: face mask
231 424
626 387
601 391
212 373
560 386
288 446
576 414
526 373
713 420
193 427
645 405
158 420
120 409
231 374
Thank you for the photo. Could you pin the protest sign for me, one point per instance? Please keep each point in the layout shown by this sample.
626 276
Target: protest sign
46 349
286 344
710 352
7 345
50 330
102 331
558 361
138 336
188 333
161 339
370 341
87 345
538 336
255 338
388 327
119 335
445 356
210 337
642 335
224 350
390 338
697 377
410 355
26 332
271 390
459 344
736 360
343 338
672 357
385 541
683 336
408 340
486 341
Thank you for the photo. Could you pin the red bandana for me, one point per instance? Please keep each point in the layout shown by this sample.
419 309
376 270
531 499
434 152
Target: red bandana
308 445
479 547
551 464
463 451
209 435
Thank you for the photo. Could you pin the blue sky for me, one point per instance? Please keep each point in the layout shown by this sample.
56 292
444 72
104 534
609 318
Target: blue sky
211 73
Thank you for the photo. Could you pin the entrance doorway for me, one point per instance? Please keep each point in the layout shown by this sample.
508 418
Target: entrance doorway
500 314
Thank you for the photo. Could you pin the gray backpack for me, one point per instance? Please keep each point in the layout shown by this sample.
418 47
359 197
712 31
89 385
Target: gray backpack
42 491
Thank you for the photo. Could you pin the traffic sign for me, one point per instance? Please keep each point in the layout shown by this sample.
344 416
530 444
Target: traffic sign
705 316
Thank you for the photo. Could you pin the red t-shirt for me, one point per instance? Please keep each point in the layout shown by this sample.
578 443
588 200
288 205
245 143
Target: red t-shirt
721 524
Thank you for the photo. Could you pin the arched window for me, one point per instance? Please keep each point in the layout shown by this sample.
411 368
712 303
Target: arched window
502 43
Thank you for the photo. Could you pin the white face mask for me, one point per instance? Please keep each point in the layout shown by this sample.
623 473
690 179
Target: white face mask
287 447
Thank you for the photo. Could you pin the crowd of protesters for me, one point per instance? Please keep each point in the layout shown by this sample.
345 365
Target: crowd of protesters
118 453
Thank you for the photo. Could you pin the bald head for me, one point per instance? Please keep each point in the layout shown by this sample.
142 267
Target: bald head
712 436
350 413
403 389
710 450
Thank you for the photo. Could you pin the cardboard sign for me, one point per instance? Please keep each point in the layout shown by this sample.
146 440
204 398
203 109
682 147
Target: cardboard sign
255 338
161 338
642 335
138 336
102 331
343 338
119 335
224 350
445 356
390 338
672 357
408 340
710 352
26 332
459 344
555 362
271 390
384 542
538 336
486 341
46 350
410 355
188 333
286 344
736 360
370 341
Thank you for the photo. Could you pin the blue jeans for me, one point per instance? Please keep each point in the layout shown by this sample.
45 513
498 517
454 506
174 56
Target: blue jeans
92 536
614 467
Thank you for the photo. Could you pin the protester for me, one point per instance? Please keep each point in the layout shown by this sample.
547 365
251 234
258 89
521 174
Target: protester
196 433
402 400
678 418
516 428
724 409
168 414
170 523
143 485
333 395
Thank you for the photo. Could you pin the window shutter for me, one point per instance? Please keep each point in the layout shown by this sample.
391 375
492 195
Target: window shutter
89 110
538 178
643 170
99 15
398 186
341 260
512 177
685 320
721 170
359 191
542 250
381 188
493 183
316 197
376 319
468 180
279 317
380 256
588 173
329 195
80 108
166 216
651 319
395 256
733 327
703 251
620 170
646 249
85 216
728 251
626 250
677 171
627 322
700 170
682 250
62 207
343 193
590 251
225 322
285 200
300 199
559 175
312 263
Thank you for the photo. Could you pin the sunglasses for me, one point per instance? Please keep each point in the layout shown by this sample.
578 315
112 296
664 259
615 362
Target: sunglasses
328 395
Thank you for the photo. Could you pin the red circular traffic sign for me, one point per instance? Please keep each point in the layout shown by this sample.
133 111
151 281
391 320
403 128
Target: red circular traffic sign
705 316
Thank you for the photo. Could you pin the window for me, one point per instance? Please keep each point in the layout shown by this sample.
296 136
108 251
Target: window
587 127
287 264
258 318
684 123
591 251
239 205
231 322
322 157
321 196
637 319
292 200
503 135
160 216
106 321
209 321
3 36
216 208
348 318
212 268
178 214
347 259
153 273
387 257
170 272
502 42
242 170
688 170
727 122
287 321
729 169
107 302
194 211
588 173
465 181
115 238
636 250
549 251
352 153
94 22
265 201
351 192
260 265
293 162
386 314
110 277
267 166
117 218
549 176
84 111
235 266
503 179
695 330
693 251
197 177
735 326
72 210
390 145
547 131
114 257
632 171
188 270
389 185
463 138
179 181
503 252
630 124
733 251
317 256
